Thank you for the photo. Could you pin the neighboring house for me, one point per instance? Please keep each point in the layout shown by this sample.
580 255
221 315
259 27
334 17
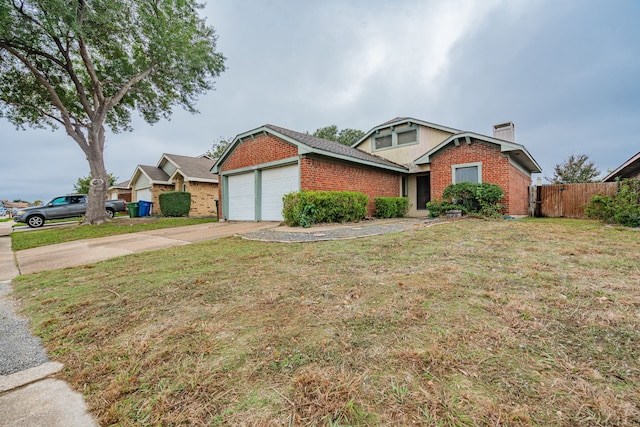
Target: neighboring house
178 173
629 169
118 191
402 157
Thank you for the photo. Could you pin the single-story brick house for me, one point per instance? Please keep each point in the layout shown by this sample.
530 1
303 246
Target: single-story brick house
178 173
120 190
402 157
628 170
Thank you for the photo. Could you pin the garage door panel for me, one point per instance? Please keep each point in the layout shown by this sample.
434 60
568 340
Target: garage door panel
276 183
242 197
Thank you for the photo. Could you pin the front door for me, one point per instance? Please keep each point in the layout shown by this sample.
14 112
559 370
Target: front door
423 185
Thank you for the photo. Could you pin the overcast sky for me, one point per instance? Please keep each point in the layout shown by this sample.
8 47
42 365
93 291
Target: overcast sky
567 73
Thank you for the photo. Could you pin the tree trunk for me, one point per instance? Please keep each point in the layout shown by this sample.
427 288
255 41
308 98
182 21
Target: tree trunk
96 213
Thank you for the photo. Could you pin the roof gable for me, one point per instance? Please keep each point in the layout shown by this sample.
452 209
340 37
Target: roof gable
401 121
308 144
192 168
517 152
629 168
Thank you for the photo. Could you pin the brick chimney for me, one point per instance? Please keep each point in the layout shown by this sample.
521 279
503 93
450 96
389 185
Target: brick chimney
505 131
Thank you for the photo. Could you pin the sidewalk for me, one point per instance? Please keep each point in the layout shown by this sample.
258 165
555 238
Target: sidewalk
31 397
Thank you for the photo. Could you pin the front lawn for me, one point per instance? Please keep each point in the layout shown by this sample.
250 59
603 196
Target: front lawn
472 322
119 225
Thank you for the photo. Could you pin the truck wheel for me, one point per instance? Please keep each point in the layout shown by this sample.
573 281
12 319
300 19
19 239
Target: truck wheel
110 213
35 221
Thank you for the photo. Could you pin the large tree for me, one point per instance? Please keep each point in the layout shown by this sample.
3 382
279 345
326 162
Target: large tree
345 136
576 169
87 64
83 184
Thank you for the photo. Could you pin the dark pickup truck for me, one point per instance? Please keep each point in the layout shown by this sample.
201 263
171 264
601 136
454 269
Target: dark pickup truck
69 206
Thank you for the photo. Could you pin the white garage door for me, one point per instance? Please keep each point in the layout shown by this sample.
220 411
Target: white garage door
276 183
242 197
143 194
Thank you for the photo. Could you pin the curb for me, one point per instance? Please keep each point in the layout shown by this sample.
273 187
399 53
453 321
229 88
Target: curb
28 376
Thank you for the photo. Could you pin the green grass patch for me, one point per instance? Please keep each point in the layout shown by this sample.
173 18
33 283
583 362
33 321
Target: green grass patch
119 225
465 323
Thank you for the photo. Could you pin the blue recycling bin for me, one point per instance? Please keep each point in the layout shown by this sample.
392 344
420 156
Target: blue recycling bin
144 208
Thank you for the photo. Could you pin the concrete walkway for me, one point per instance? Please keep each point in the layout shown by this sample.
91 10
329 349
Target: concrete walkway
31 397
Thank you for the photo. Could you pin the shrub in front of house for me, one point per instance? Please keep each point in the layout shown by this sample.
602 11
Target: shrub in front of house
622 208
305 208
477 199
175 203
391 207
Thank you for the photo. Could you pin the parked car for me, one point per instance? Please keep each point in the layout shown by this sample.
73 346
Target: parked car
69 206
3 211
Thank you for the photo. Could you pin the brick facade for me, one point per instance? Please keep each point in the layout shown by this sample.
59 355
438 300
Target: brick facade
496 169
319 174
203 197
263 149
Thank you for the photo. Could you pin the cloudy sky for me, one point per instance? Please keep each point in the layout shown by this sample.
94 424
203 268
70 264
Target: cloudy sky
566 72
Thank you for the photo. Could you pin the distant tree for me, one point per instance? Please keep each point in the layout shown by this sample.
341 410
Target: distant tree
577 169
83 184
86 65
218 147
345 136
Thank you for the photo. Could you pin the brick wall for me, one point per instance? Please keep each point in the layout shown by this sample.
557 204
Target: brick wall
262 149
203 196
519 184
319 174
496 169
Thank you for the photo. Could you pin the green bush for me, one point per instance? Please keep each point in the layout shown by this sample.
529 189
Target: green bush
175 203
440 207
481 199
305 208
391 207
622 208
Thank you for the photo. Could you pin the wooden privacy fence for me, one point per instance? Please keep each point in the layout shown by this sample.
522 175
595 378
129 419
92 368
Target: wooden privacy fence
566 200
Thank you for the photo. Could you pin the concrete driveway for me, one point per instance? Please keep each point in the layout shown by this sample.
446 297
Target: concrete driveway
81 252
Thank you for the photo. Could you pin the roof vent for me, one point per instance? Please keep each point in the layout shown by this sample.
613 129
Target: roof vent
505 131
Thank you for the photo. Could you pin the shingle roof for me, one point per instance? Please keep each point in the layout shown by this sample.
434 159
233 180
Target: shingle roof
193 168
332 146
155 173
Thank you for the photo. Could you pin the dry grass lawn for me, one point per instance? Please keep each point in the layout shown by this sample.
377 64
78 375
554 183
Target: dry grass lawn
501 323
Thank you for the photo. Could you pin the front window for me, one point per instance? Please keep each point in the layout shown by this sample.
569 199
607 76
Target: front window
470 172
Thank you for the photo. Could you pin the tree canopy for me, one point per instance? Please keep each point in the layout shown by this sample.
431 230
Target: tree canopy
218 147
88 64
345 136
576 169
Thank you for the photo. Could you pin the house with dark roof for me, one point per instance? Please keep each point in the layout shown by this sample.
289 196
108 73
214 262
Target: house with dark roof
120 190
177 173
628 170
401 157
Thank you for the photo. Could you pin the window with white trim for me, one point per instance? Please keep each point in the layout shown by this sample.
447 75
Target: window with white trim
468 172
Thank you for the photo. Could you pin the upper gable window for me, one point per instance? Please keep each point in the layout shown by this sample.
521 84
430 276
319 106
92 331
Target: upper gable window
395 138
384 141
408 137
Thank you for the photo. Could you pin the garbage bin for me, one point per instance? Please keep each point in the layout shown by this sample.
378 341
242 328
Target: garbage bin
144 208
133 209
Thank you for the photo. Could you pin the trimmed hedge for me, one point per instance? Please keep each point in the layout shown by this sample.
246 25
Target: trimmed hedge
391 207
305 208
175 203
